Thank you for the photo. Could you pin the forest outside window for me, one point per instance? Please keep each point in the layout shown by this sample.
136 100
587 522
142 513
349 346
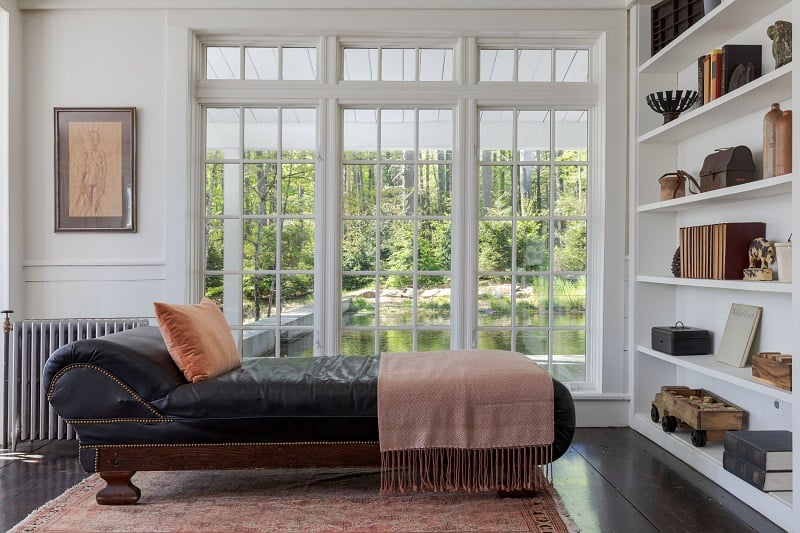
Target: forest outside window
387 220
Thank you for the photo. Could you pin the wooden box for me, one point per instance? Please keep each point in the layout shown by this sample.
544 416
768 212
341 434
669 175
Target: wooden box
670 18
774 369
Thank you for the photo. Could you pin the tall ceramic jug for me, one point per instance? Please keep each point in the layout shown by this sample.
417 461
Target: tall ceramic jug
783 144
768 160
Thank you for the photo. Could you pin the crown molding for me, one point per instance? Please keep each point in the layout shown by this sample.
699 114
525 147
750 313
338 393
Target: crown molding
39 5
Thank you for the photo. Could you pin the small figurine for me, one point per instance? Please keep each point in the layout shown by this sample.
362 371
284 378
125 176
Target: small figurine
781 35
762 252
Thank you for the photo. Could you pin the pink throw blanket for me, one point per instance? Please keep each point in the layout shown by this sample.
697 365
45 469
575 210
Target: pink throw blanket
463 420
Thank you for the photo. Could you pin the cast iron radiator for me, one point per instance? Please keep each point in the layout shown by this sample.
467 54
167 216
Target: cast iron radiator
28 415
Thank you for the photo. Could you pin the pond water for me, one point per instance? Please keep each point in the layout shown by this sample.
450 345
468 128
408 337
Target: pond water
569 345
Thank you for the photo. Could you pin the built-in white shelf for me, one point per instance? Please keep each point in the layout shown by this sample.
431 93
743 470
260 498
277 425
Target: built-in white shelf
735 284
777 186
711 31
707 365
655 292
708 461
775 86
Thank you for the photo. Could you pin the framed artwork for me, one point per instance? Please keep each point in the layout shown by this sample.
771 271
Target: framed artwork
95 166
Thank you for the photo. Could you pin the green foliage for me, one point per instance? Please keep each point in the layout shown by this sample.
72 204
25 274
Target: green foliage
570 254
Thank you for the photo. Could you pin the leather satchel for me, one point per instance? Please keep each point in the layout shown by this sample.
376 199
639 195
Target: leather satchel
726 167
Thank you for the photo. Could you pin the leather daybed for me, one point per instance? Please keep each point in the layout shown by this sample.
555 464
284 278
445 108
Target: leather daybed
133 409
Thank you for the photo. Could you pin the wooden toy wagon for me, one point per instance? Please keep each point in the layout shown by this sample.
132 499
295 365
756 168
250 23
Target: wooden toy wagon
708 415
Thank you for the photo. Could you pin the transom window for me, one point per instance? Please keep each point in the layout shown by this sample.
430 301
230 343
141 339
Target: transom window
261 63
398 64
534 64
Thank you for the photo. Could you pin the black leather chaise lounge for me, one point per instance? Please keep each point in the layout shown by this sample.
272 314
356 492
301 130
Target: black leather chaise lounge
133 410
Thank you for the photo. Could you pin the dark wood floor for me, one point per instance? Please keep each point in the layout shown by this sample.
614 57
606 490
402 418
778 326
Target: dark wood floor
611 480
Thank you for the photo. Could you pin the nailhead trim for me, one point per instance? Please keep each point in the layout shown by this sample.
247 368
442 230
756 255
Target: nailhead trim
110 376
83 421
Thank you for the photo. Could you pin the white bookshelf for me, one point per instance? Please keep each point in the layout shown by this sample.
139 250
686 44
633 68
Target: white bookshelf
659 299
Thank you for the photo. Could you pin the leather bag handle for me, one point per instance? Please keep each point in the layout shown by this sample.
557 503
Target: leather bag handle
682 176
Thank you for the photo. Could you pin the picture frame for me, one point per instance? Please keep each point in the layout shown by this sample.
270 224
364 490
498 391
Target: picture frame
95 169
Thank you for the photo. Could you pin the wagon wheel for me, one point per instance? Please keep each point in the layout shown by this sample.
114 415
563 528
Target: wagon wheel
669 423
699 437
654 414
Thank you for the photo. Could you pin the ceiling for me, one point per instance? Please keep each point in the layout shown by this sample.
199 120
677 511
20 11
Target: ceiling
327 4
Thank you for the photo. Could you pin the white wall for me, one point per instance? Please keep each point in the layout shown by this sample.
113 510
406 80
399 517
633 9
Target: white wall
11 125
93 59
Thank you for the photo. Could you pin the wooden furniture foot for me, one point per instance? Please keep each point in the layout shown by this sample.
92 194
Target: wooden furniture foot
118 490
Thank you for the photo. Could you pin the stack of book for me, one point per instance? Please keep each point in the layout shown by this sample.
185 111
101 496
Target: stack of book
717 251
725 69
762 458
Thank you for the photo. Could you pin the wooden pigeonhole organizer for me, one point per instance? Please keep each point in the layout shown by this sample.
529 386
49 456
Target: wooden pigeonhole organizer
708 415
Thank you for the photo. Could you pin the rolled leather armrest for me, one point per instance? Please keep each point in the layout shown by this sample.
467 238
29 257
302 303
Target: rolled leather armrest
132 366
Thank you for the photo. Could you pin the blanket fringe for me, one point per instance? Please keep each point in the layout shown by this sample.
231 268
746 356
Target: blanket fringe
454 469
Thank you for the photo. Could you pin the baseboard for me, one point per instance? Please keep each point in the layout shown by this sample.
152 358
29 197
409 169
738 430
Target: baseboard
602 412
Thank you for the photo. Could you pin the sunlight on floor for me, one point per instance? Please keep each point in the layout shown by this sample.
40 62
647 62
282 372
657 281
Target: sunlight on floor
8 455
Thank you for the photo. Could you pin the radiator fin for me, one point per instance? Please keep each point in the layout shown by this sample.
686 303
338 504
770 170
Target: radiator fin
29 416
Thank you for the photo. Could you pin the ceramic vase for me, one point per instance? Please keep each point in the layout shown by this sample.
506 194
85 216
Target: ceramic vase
783 144
768 160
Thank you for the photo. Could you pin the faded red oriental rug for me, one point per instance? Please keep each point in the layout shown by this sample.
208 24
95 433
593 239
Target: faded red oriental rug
291 500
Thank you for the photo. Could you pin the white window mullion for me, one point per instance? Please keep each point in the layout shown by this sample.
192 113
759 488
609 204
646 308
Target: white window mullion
329 226
464 293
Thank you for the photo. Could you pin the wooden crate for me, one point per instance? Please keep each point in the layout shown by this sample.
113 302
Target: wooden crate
670 18
708 415
773 369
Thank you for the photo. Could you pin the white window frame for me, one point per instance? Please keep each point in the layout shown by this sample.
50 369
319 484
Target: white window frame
469 96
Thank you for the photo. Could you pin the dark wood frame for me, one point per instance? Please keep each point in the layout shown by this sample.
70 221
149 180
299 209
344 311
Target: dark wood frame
117 464
122 161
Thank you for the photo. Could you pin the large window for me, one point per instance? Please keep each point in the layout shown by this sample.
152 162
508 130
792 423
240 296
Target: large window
260 183
380 219
532 270
397 182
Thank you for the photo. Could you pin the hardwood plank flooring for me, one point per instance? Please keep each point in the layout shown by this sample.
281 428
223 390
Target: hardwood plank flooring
611 480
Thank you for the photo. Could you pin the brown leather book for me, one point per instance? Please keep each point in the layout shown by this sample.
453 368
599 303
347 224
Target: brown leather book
736 239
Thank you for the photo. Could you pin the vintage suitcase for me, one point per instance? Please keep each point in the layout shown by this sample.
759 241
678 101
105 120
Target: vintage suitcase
681 340
726 167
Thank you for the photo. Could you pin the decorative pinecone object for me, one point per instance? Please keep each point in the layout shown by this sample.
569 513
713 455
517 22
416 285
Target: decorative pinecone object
676 263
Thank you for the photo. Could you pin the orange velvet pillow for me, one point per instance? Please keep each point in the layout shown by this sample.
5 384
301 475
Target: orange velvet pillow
198 339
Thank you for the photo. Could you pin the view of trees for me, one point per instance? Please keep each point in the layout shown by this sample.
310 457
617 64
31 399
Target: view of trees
397 210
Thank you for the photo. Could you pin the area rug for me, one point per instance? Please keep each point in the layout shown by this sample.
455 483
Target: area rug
311 500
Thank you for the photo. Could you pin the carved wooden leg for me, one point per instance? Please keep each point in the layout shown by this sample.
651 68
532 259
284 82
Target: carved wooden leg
118 490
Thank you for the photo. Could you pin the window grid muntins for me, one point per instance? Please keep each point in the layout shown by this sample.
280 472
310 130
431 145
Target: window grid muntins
533 64
397 64
264 63
396 273
528 297
402 294
260 222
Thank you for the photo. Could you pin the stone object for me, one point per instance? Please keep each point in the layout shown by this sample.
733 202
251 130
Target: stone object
781 35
